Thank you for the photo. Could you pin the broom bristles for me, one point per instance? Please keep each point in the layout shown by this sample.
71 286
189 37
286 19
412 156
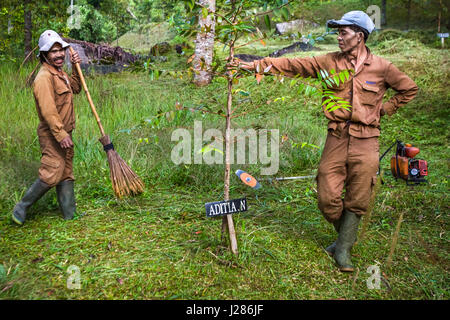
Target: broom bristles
124 181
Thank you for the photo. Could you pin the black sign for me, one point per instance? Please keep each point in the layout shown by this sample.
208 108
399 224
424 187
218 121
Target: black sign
220 208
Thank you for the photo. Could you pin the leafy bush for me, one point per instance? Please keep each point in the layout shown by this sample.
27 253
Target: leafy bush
94 26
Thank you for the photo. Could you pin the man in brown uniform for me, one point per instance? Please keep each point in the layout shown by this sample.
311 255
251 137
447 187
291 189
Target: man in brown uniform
53 91
351 154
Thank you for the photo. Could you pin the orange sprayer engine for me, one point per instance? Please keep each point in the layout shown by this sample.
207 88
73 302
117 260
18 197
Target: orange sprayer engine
405 166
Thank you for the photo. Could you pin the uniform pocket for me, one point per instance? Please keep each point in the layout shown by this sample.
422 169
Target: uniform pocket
369 95
62 94
50 170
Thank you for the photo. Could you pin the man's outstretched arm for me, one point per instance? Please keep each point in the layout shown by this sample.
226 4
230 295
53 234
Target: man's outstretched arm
289 67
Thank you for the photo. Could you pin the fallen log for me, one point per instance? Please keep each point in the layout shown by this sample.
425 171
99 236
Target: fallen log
297 46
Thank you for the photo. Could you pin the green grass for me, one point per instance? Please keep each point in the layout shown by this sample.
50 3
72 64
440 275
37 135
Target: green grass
160 245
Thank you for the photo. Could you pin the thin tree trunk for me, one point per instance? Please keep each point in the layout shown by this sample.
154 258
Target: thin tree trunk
409 15
228 219
439 16
383 13
204 45
28 25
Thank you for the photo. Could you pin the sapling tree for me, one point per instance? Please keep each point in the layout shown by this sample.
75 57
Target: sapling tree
235 20
233 24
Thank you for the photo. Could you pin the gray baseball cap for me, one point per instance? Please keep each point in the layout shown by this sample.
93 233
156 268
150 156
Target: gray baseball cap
357 18
48 38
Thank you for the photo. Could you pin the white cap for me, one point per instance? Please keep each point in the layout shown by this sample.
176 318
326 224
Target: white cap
48 38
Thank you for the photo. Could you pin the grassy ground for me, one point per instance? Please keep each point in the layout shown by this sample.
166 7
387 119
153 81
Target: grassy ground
160 245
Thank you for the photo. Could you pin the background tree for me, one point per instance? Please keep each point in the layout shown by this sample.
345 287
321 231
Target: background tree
28 27
383 12
204 44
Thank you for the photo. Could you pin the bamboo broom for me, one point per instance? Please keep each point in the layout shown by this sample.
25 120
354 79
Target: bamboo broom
124 181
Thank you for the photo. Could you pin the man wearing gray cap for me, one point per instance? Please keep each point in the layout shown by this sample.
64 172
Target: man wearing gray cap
53 90
350 156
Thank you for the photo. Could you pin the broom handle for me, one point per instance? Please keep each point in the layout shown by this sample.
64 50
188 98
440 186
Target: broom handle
88 95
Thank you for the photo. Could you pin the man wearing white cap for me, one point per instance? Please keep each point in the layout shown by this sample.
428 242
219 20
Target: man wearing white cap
351 153
53 90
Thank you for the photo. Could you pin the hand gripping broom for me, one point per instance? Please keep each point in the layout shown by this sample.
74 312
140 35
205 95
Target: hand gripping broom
124 181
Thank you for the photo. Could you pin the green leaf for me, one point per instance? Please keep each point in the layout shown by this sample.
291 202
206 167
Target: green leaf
204 13
319 76
208 148
336 80
293 82
191 5
267 21
330 105
242 92
307 90
326 101
285 12
346 74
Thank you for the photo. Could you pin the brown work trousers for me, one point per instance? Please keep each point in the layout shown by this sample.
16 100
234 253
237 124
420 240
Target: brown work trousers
56 162
347 162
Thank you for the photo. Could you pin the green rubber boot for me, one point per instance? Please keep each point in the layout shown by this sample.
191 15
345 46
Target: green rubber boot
66 198
347 237
33 194
332 247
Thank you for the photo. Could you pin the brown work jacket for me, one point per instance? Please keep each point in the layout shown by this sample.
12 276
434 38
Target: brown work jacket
53 93
364 90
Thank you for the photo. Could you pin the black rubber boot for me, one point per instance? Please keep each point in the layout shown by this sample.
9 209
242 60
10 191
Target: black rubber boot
66 198
332 247
347 237
33 194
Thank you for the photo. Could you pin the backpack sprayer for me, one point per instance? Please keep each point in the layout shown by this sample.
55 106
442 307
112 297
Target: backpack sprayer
405 166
